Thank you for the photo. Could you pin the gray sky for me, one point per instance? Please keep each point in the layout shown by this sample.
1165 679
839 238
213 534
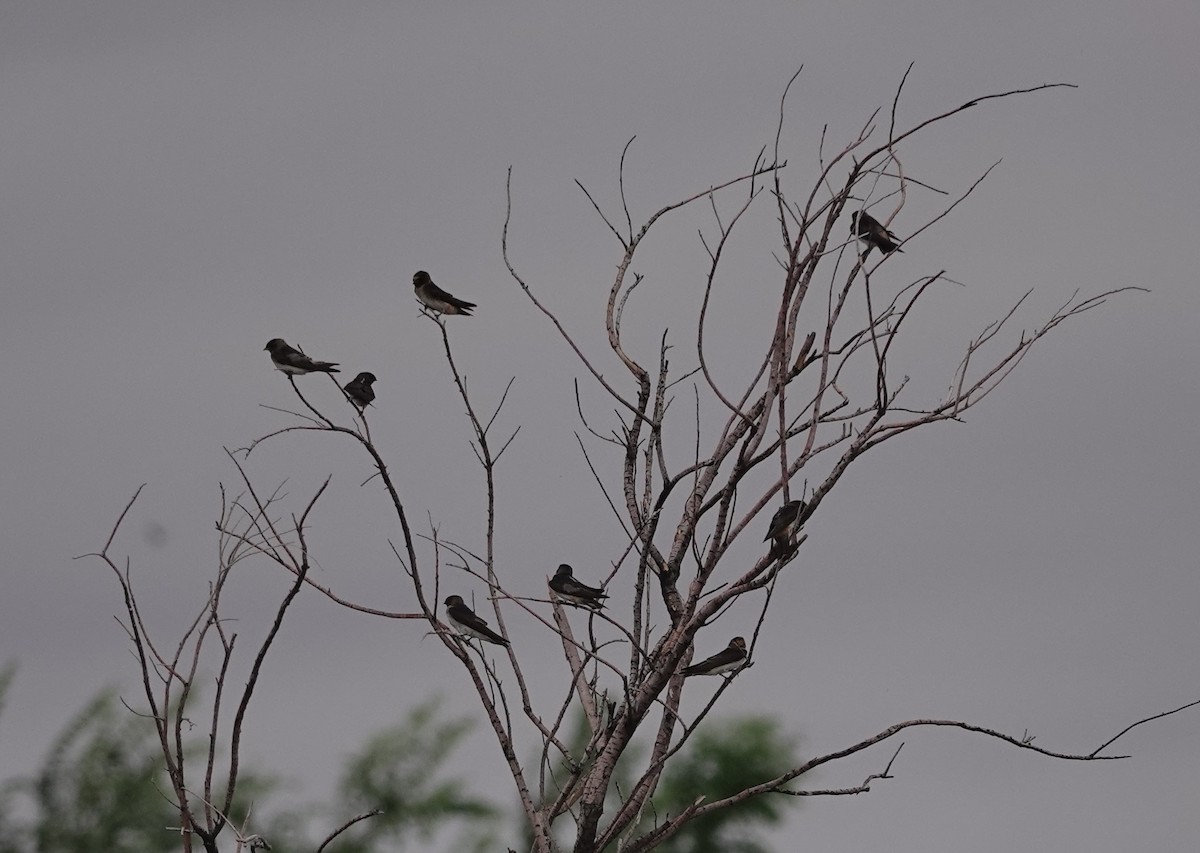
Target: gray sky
183 181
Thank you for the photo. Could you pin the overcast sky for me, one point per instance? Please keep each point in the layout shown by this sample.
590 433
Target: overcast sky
183 181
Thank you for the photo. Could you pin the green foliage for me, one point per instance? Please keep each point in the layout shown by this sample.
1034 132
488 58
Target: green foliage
395 771
576 740
11 834
100 787
723 758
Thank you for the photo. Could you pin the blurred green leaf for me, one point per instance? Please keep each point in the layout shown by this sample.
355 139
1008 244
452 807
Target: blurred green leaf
102 787
396 771
724 757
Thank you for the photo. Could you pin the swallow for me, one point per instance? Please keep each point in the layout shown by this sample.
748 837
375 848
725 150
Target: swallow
575 592
359 390
464 619
785 522
295 363
868 229
437 299
732 657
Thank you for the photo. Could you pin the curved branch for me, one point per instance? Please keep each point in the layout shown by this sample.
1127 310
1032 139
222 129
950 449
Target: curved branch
666 830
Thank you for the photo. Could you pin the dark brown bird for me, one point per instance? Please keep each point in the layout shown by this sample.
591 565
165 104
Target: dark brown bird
785 522
435 298
295 363
872 233
359 389
731 658
464 619
565 585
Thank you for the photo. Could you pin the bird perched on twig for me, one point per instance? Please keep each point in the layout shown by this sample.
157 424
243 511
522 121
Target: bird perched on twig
564 584
295 363
359 389
872 233
467 622
784 525
730 658
435 298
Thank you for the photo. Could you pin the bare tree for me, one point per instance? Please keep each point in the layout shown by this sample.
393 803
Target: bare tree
172 674
761 455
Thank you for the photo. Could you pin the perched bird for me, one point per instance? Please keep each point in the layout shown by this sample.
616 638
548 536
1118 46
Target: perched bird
785 522
436 298
575 592
295 363
464 619
359 389
731 658
872 233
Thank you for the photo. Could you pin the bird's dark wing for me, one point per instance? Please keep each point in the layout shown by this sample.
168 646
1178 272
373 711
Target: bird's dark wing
783 517
570 586
292 357
466 617
720 659
436 292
